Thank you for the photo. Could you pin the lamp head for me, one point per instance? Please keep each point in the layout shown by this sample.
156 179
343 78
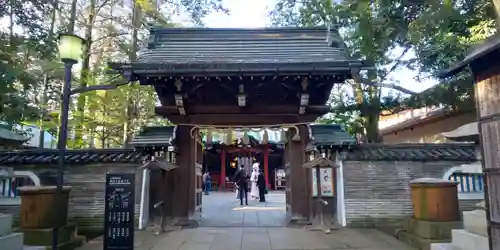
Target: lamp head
70 47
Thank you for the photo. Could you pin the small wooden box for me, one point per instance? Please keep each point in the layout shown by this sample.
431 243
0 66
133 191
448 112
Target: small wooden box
39 208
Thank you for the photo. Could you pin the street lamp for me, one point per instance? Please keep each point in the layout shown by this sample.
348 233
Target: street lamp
70 51
70 48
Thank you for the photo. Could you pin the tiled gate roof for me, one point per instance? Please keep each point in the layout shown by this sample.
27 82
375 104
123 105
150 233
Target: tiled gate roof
413 152
153 136
182 51
330 135
90 156
368 152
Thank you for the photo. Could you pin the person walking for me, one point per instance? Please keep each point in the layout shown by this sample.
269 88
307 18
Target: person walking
261 183
241 180
207 182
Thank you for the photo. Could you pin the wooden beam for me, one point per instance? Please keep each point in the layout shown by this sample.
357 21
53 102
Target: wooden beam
240 119
233 109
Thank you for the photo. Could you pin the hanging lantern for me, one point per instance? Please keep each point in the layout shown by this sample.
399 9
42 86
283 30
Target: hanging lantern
209 136
296 136
311 156
245 140
229 136
283 136
265 137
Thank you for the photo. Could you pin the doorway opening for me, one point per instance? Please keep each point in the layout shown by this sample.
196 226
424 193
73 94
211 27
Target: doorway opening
222 157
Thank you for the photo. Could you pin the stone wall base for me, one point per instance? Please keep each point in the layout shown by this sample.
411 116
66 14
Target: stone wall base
378 222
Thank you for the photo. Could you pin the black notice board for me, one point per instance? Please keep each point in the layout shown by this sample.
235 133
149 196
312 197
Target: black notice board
119 212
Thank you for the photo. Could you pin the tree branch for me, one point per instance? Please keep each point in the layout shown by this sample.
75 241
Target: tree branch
396 65
383 85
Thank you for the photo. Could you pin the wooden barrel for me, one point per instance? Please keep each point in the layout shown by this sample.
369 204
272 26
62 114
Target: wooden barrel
435 200
39 208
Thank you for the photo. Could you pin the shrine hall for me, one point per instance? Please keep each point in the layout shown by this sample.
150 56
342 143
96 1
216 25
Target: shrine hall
226 150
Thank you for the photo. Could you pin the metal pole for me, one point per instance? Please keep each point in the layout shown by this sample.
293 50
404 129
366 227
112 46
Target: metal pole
61 143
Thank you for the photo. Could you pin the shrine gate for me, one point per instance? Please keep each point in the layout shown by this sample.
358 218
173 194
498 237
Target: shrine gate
223 79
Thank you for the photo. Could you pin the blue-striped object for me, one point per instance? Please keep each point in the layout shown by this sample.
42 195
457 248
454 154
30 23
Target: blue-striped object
468 182
9 186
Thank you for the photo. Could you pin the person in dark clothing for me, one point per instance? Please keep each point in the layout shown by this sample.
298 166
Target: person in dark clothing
241 180
261 183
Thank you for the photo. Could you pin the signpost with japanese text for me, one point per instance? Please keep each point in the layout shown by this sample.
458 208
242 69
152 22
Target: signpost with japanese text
119 212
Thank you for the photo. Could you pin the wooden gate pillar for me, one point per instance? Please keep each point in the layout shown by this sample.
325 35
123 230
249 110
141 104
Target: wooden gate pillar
485 66
198 180
487 92
298 183
184 181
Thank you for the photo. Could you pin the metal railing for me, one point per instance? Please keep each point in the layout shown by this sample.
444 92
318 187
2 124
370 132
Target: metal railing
470 185
9 186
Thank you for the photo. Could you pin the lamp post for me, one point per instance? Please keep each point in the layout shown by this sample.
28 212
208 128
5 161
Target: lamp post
70 51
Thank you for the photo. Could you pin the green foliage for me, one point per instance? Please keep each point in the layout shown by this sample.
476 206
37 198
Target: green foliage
16 79
31 75
197 9
438 32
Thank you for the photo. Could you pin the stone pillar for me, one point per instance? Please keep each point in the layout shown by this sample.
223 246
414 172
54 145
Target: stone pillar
299 179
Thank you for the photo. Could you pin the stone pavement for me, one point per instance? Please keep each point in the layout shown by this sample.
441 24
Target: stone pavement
225 225
222 209
274 238
260 238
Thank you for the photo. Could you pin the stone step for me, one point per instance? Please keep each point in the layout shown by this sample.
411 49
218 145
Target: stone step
444 246
418 242
75 243
475 222
5 224
432 230
12 241
34 248
468 241
43 237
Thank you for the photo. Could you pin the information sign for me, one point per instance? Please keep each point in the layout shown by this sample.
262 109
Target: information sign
119 212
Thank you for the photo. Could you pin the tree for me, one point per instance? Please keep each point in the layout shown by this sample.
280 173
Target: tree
18 54
434 30
106 25
31 75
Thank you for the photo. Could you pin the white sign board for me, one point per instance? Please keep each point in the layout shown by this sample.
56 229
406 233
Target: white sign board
280 173
326 182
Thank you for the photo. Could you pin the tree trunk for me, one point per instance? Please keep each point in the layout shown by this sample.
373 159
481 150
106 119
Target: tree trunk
373 115
85 74
136 24
496 3
43 101
11 25
372 118
72 19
